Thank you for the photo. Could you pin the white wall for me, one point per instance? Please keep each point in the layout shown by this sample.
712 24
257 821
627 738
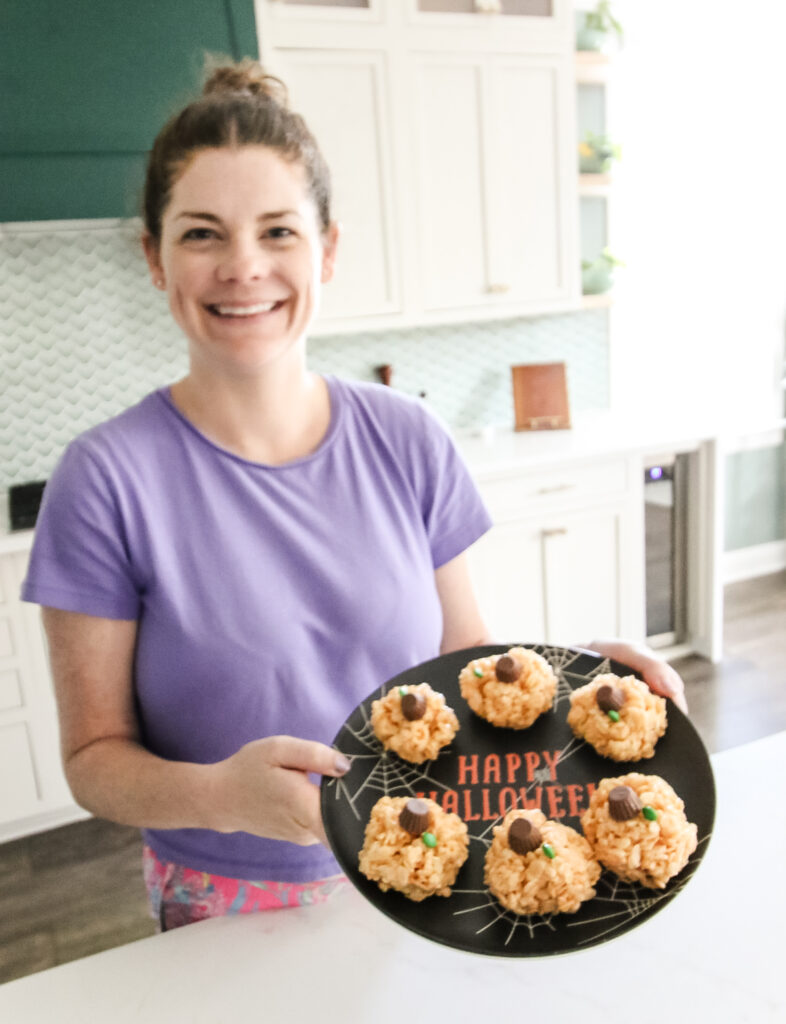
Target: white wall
698 102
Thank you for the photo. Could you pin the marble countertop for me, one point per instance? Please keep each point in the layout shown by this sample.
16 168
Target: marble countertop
713 953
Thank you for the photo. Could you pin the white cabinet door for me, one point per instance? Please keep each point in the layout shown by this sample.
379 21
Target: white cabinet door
532 202
449 124
496 206
507 572
344 100
582 567
33 790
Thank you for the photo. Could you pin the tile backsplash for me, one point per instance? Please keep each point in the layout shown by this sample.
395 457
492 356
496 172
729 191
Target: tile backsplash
85 336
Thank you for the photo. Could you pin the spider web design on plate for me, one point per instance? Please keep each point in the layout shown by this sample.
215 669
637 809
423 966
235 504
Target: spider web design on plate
616 906
622 902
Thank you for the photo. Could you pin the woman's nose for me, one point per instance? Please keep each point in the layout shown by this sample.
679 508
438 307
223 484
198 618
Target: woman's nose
244 260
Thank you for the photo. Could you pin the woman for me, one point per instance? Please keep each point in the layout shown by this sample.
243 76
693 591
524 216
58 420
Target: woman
230 566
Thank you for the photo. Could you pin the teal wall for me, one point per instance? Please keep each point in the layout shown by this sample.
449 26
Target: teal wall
755 497
84 87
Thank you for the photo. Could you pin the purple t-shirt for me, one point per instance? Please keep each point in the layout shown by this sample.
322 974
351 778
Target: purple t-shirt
270 599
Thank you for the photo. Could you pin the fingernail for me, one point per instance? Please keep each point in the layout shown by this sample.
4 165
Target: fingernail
342 764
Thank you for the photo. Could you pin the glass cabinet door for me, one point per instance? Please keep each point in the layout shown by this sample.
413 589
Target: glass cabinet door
517 8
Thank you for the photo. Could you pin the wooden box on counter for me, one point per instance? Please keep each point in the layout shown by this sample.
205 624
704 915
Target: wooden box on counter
540 397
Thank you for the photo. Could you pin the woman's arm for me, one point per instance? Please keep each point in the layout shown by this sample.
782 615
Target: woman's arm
263 788
462 623
464 627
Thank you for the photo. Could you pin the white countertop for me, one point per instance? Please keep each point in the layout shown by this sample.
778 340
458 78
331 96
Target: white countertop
602 433
703 957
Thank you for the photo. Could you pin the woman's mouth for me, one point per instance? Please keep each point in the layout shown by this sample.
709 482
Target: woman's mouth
231 311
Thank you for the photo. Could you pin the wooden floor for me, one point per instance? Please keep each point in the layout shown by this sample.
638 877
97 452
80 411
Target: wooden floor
78 890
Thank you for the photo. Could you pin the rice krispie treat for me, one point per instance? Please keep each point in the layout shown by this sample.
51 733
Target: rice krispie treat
413 721
538 866
620 717
413 846
509 690
637 828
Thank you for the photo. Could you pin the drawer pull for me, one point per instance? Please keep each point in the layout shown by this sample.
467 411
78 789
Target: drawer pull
498 289
558 487
557 532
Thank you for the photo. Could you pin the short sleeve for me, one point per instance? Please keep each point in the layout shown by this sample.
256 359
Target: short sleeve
453 511
80 560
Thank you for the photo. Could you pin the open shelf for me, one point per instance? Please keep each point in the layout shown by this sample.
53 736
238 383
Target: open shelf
602 301
591 66
594 184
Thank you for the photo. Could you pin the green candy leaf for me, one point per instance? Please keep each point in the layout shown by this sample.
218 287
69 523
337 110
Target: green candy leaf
478 672
429 839
613 715
549 850
649 813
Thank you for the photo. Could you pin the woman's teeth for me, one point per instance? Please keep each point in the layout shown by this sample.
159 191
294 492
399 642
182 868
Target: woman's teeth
260 307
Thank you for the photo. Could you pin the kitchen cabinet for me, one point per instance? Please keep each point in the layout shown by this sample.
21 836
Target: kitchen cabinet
33 792
564 561
494 232
450 137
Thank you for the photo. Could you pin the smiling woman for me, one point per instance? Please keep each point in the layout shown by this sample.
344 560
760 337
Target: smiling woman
203 559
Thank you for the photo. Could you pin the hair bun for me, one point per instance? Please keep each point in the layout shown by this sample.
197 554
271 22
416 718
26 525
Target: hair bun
245 76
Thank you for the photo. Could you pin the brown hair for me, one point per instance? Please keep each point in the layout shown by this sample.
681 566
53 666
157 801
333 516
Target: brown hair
240 105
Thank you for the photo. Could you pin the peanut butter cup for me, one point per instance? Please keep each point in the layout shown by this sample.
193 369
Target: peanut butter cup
624 803
415 817
523 836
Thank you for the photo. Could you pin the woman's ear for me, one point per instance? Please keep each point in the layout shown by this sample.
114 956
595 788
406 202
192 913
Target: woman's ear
329 244
152 251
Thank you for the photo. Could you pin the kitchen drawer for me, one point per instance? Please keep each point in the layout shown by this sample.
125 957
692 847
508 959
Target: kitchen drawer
527 491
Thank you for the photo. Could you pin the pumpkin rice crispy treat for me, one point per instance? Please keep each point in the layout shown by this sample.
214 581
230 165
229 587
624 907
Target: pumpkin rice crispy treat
413 846
414 722
509 690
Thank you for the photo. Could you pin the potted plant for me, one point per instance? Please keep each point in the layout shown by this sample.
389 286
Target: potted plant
597 27
596 153
597 276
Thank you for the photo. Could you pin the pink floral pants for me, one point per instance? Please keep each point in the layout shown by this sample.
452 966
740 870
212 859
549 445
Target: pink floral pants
180 895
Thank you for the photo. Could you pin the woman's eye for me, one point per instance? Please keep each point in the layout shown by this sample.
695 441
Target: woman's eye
280 232
198 234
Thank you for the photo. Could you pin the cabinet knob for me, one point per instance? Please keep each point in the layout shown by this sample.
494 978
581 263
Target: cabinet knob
498 289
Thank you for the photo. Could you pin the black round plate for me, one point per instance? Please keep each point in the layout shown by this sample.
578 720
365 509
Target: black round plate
479 776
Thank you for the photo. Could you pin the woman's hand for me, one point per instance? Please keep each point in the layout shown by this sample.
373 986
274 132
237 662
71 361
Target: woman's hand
264 789
656 672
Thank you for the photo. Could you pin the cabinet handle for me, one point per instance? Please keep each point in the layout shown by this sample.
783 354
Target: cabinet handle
553 490
498 289
559 531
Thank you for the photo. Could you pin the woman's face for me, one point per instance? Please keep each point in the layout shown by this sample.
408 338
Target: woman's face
242 256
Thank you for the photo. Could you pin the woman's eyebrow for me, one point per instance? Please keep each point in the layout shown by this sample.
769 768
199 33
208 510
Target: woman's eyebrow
199 216
272 215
